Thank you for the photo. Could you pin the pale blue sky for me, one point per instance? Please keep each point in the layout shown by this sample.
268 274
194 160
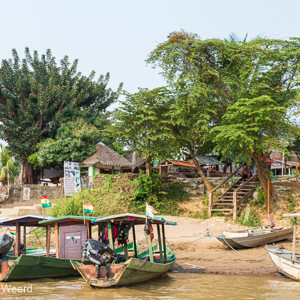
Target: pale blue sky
116 36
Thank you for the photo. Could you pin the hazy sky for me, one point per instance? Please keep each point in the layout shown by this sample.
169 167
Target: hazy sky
116 36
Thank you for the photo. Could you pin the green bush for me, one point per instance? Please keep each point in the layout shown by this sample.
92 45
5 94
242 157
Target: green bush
261 198
120 194
252 220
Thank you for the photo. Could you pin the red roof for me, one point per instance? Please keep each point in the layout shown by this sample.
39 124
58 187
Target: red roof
183 163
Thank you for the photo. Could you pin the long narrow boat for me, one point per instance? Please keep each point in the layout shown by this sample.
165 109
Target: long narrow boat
26 264
152 263
287 262
254 237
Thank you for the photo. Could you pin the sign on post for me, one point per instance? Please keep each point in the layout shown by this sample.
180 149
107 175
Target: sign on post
72 178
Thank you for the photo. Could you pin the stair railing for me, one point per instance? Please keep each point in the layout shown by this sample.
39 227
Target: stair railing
211 193
235 195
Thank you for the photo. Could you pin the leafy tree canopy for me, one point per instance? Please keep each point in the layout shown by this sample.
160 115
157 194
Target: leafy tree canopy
138 124
74 141
37 94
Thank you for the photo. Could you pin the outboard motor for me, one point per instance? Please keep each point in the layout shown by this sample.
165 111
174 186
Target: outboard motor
99 254
5 244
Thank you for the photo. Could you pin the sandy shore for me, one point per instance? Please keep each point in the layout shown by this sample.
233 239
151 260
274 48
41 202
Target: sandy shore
197 250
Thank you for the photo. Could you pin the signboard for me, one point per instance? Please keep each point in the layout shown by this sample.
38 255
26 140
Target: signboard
72 178
26 193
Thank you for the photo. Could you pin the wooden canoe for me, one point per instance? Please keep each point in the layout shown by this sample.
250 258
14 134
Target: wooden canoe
282 259
254 237
133 271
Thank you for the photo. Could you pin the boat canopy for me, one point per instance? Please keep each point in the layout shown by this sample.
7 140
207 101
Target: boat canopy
128 218
67 220
28 220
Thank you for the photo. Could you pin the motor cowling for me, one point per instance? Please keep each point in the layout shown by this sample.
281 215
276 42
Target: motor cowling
98 252
6 242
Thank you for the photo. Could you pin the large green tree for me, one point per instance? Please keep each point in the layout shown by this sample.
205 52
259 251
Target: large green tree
138 124
37 94
212 78
202 76
258 121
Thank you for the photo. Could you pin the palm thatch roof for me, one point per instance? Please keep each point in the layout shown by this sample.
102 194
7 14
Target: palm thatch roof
106 158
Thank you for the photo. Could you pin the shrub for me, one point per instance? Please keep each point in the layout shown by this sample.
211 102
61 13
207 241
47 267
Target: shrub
252 220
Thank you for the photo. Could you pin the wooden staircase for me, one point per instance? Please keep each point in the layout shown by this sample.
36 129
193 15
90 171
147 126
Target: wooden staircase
232 200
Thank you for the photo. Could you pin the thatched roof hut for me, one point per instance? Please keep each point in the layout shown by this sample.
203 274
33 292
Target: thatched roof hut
106 158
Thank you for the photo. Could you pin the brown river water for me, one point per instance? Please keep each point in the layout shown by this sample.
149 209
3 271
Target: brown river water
171 286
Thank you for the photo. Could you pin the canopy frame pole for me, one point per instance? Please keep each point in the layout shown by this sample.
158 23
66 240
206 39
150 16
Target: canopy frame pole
48 240
89 230
17 247
164 241
24 237
126 250
134 242
98 233
57 240
294 239
150 250
159 244
110 235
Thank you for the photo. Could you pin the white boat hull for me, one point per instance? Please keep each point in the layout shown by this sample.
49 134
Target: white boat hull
282 259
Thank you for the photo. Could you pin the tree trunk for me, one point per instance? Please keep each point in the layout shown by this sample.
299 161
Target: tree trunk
199 170
148 166
264 176
27 173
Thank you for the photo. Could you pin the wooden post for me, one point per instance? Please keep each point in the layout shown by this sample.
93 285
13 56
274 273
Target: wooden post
57 240
294 239
17 245
24 237
234 205
98 232
126 251
159 244
268 197
164 241
110 235
210 202
134 242
296 172
48 240
89 229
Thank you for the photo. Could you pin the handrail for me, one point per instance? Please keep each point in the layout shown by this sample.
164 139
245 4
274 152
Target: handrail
245 183
234 195
226 179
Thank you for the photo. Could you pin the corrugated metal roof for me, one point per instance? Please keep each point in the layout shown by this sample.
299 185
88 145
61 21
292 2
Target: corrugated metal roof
208 160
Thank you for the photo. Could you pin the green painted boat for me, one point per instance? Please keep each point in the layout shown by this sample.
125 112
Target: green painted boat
150 264
26 267
36 263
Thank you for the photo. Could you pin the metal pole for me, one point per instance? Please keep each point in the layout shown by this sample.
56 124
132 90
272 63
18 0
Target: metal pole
159 244
294 239
164 241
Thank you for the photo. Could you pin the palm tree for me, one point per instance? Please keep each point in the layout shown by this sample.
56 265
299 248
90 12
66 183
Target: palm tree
9 167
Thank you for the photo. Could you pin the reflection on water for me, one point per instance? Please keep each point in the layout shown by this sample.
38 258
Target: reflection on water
172 286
